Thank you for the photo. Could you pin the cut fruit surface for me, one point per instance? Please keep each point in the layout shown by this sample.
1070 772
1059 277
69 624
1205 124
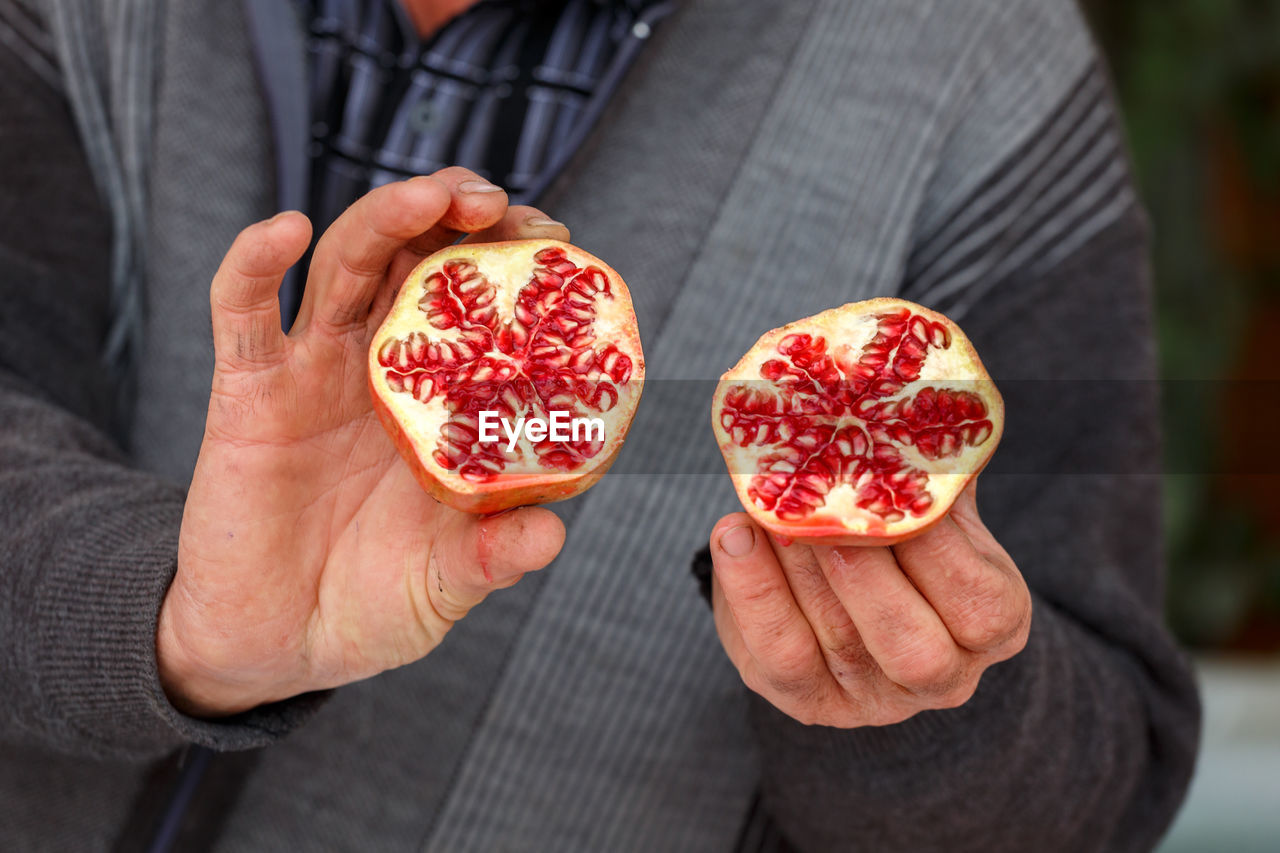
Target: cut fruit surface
487 340
859 425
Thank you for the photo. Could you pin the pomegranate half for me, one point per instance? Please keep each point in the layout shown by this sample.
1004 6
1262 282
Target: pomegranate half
483 335
857 426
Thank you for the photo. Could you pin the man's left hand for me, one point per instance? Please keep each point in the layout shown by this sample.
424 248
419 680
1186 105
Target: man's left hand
858 636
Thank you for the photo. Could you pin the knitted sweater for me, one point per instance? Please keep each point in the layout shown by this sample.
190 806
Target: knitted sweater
762 162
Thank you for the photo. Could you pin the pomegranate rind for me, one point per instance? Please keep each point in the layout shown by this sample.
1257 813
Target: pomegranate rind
839 521
414 426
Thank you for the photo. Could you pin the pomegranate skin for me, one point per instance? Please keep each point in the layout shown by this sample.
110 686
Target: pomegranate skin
578 338
858 426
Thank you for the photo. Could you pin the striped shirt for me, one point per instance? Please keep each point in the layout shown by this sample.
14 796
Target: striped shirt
509 89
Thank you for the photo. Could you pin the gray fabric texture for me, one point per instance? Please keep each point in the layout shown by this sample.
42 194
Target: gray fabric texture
211 174
107 50
946 151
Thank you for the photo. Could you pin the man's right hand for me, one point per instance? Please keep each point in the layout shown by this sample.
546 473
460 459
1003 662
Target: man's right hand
309 557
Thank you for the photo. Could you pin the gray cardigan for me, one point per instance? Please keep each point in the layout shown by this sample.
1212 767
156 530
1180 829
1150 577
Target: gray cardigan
762 162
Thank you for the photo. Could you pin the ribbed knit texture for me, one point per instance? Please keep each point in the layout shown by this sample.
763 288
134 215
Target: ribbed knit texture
764 161
23 34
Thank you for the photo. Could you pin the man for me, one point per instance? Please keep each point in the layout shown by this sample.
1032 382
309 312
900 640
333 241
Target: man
1002 682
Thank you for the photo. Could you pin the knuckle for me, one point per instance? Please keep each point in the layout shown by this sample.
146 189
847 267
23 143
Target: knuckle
762 610
958 695
758 596
986 618
848 660
361 265
1016 640
929 668
801 688
967 572
785 672
895 618
231 293
790 663
803 709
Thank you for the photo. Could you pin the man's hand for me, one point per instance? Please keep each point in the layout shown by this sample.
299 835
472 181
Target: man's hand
309 557
850 637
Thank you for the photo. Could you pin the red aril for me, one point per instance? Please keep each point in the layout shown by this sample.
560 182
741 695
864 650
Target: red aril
483 335
857 426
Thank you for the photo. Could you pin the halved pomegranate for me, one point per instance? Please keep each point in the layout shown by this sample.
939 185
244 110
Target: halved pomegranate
857 426
482 336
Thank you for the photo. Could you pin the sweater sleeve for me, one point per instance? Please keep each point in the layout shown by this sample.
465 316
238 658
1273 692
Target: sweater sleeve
89 545
1086 740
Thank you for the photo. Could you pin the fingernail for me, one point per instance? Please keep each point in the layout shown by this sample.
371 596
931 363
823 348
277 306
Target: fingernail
542 222
279 216
738 541
478 187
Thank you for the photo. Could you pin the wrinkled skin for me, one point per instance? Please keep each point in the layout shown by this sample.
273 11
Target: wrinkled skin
308 556
856 636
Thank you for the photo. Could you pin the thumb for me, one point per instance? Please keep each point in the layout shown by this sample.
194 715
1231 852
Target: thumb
244 296
478 554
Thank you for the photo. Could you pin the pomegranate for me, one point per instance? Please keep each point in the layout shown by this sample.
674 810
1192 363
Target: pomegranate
857 426
508 373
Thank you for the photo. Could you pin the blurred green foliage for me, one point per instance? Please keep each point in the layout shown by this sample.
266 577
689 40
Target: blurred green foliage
1199 82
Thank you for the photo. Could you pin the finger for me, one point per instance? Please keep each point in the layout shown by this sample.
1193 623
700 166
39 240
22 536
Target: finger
805 705
901 631
735 646
985 606
488 553
727 629
351 260
830 621
474 205
774 630
244 296
521 222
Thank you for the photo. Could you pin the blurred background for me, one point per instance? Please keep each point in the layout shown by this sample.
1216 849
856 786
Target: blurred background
1199 81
